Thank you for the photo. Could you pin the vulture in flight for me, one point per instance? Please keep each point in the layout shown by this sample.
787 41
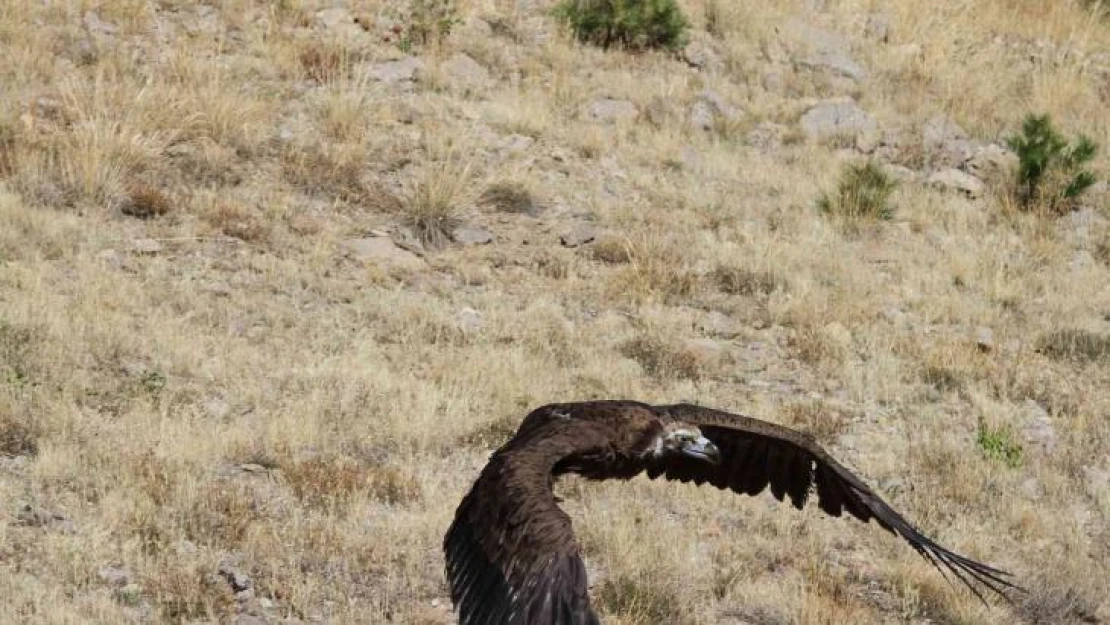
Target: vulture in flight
511 554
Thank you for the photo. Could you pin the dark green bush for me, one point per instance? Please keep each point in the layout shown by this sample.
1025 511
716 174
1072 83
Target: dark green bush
863 192
632 24
1051 172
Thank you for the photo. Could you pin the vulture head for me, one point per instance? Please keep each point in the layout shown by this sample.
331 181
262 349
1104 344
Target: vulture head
683 439
512 558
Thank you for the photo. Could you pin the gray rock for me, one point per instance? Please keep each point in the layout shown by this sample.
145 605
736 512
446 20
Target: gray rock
381 251
578 235
1082 227
1081 261
238 580
1032 489
216 408
474 26
827 51
766 136
517 143
33 516
96 26
469 320
710 107
401 70
114 575
1096 481
472 235
1037 429
901 173
835 119
699 54
773 81
339 22
464 73
955 180
946 144
992 162
608 110
720 325
146 246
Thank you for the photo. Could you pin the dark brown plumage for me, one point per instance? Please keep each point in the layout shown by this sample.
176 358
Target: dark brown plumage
511 554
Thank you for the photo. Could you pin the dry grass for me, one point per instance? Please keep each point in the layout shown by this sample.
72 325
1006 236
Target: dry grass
193 376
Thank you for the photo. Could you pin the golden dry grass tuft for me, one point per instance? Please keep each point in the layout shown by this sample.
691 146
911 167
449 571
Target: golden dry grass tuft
197 373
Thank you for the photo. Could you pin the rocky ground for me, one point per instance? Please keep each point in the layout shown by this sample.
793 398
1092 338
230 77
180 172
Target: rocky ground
274 281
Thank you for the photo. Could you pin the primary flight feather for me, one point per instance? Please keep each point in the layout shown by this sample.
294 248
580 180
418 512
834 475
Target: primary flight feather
511 554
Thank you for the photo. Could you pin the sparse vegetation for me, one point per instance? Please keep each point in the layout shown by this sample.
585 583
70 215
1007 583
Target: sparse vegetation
221 341
1052 173
631 24
863 193
424 22
998 444
1081 346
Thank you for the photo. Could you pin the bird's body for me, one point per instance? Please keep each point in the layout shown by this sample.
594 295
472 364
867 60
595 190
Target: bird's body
511 554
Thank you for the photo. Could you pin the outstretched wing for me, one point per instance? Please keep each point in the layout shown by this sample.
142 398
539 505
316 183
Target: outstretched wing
755 454
511 554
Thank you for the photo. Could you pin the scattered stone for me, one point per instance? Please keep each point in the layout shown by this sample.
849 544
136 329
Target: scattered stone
238 580
146 246
96 26
828 51
517 143
608 110
1032 489
719 325
773 81
992 162
38 517
892 485
469 320
114 576
946 144
958 181
216 408
984 339
901 173
766 136
464 73
1096 481
699 54
1038 429
579 235
381 251
401 70
472 235
710 107
475 26
252 467
830 119
339 22
1081 261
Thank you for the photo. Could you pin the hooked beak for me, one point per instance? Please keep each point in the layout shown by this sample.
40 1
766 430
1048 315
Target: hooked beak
702 449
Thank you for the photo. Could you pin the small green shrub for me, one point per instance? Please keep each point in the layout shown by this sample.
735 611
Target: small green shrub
632 24
1051 172
998 444
863 192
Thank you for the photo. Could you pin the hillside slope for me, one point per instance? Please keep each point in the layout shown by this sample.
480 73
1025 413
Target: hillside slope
275 280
